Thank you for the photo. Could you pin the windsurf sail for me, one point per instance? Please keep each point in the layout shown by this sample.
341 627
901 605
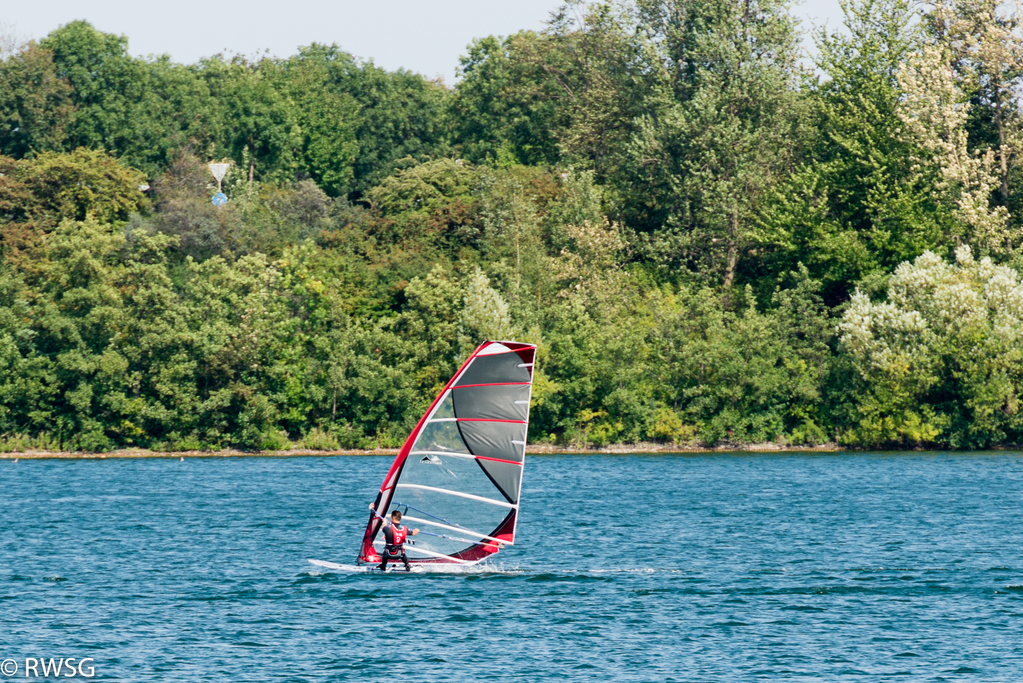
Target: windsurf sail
459 475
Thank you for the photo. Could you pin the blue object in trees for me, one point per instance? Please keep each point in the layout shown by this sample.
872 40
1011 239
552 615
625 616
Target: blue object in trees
219 199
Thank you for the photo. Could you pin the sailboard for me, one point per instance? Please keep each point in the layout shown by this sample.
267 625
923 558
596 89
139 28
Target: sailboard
458 476
334 566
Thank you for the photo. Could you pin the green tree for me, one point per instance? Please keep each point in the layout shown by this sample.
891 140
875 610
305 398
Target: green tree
858 204
745 375
326 117
428 205
508 107
37 194
143 111
721 125
35 105
399 114
82 184
257 128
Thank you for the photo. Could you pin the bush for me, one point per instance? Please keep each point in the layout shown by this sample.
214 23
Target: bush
319 440
940 361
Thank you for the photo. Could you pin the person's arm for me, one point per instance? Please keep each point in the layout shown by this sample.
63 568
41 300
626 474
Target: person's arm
414 532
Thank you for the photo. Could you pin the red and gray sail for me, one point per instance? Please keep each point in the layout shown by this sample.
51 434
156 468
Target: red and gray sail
458 477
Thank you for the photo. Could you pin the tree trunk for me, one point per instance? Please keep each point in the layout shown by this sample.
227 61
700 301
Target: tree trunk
1002 160
252 171
732 258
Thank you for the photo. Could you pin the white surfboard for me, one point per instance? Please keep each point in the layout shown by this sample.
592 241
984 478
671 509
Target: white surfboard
361 568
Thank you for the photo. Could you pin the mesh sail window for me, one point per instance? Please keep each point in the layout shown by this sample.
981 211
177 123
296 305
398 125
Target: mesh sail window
459 475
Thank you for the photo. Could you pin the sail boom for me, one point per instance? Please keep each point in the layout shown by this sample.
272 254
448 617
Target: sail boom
430 553
447 453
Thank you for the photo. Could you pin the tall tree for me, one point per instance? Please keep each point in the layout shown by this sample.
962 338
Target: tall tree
35 105
720 121
506 108
934 112
142 111
984 40
400 113
258 125
326 117
857 203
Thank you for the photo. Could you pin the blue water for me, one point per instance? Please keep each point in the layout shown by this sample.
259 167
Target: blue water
627 568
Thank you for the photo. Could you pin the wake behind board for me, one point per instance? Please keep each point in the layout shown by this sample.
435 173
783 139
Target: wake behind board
366 568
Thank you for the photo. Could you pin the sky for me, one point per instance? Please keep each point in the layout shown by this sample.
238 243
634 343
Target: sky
426 36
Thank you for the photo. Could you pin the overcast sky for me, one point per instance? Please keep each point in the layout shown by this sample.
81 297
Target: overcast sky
421 35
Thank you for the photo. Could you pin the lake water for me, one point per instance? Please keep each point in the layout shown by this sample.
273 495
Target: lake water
838 567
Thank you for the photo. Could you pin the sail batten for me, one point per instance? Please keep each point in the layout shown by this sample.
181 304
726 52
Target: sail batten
463 462
467 456
473 419
459 494
420 520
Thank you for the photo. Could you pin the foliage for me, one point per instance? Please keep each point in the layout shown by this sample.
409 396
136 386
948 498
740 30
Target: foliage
505 108
37 194
722 131
743 376
935 113
857 204
708 242
82 184
325 117
35 104
939 362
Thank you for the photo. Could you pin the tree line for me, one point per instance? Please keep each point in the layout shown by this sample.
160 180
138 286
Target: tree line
711 237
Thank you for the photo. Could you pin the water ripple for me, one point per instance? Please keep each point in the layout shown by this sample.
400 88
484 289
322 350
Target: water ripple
627 568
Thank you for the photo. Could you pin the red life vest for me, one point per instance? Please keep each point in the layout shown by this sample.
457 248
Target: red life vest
398 536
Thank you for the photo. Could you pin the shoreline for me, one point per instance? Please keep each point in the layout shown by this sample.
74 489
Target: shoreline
536 449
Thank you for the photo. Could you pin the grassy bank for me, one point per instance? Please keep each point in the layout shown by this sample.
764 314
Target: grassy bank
542 449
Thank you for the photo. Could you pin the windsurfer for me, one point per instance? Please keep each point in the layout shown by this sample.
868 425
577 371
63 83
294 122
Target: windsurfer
394 540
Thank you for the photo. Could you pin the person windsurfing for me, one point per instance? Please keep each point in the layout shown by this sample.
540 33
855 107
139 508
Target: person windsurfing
395 536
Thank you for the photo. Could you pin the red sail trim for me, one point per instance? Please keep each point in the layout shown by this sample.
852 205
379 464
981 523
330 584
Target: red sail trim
485 550
498 353
480 551
495 384
510 462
